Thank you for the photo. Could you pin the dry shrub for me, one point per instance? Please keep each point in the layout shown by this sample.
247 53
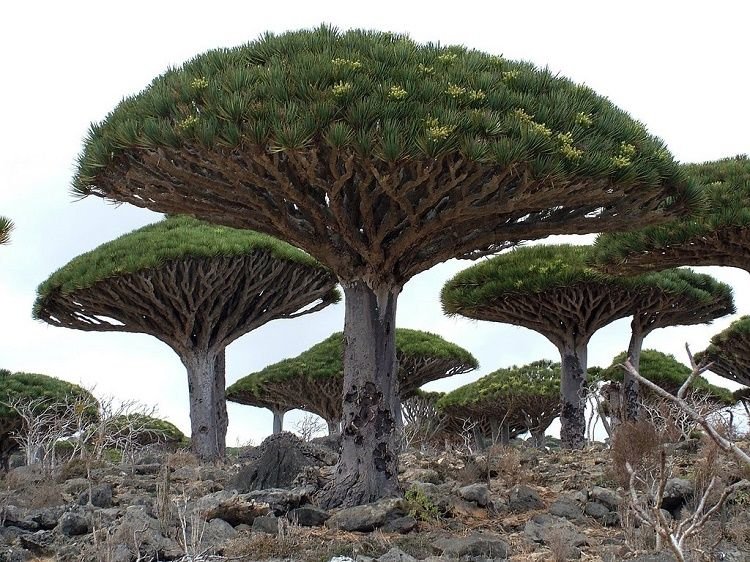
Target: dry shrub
74 468
182 457
638 443
558 546
508 465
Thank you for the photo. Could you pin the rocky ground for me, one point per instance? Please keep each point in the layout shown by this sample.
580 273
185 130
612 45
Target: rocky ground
514 503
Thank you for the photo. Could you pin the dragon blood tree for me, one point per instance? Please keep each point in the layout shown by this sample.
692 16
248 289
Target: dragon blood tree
313 381
678 297
380 157
45 393
668 373
523 398
196 287
553 291
717 234
6 226
729 352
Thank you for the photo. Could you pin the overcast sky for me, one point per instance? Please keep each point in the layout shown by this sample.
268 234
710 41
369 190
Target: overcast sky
678 66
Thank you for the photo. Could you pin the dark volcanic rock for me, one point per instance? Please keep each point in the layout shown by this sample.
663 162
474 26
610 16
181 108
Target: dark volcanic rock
266 524
278 460
476 544
308 516
522 498
368 517
73 523
101 496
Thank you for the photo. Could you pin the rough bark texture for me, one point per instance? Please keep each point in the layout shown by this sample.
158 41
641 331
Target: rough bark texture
278 420
334 427
573 411
208 413
631 389
197 307
368 467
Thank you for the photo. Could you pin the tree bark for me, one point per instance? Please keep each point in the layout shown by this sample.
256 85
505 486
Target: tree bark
278 420
208 408
504 433
631 389
368 466
573 412
334 427
537 438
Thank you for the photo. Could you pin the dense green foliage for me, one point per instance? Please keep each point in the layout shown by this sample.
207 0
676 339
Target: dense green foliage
667 372
534 270
726 187
149 428
383 96
173 238
729 352
32 386
325 360
535 380
6 226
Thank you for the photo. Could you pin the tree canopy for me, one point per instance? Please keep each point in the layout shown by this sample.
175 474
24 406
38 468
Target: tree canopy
313 380
667 372
6 226
716 234
729 352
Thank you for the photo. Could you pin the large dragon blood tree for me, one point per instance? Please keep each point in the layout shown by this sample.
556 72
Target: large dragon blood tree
520 398
6 225
679 297
380 157
195 286
41 391
313 381
553 291
718 233
729 352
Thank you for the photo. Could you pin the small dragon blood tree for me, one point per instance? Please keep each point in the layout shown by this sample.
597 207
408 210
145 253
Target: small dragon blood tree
718 234
729 352
313 381
6 226
552 290
526 397
380 157
196 287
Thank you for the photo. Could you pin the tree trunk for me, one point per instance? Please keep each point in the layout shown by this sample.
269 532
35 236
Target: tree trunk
368 466
504 433
537 438
334 427
278 420
208 407
631 389
572 384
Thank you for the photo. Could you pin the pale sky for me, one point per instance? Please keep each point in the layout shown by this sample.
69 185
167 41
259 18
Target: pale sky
678 66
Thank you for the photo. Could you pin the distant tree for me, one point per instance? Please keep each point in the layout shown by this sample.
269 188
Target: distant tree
522 398
685 298
313 381
552 290
729 352
196 287
423 421
44 398
717 234
381 157
6 226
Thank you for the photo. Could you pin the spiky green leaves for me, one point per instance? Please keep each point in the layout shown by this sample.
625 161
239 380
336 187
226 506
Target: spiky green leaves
729 352
717 234
32 386
174 238
665 371
6 226
380 95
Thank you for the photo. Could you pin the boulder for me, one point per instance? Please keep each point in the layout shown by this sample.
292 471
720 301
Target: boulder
477 493
101 496
401 525
232 508
74 523
486 545
135 520
567 508
677 492
268 524
396 555
217 532
367 517
544 528
308 516
596 510
47 517
277 461
605 497
40 543
522 498
280 500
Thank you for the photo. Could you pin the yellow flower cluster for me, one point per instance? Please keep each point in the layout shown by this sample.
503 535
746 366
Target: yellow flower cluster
625 157
510 74
342 88
566 146
188 123
397 93
436 131
584 119
455 91
346 63
424 69
447 57
199 83
476 95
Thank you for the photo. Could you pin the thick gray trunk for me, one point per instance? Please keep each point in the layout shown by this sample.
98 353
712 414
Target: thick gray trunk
573 412
278 420
504 434
631 389
208 407
368 466
334 427
537 438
